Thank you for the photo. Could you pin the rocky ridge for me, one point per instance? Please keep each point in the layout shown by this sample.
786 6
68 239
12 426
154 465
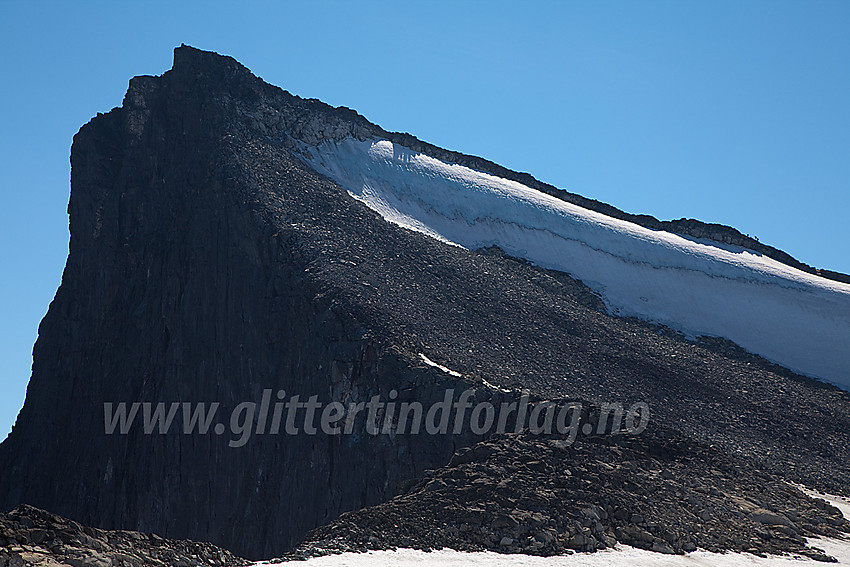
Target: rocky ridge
313 122
33 537
542 495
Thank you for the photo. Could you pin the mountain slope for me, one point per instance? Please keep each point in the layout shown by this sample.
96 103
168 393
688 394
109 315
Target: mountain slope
210 262
700 287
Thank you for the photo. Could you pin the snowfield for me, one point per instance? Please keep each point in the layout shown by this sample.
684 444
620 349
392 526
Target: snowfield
699 287
621 556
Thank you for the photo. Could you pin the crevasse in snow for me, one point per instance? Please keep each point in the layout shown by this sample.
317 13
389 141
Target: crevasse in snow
699 287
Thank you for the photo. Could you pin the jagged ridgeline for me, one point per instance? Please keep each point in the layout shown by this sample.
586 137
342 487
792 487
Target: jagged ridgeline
218 257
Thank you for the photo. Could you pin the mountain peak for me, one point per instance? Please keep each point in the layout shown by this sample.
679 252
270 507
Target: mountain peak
229 246
190 60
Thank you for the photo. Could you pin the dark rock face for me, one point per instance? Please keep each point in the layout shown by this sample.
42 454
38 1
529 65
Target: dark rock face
208 263
29 536
188 282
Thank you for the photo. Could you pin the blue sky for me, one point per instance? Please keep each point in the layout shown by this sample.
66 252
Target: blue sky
731 112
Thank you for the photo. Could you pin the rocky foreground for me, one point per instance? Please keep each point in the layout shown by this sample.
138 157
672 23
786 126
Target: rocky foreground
30 536
541 496
515 493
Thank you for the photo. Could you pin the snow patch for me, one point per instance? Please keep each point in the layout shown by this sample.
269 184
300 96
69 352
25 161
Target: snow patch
840 502
621 556
494 387
451 372
699 287
430 362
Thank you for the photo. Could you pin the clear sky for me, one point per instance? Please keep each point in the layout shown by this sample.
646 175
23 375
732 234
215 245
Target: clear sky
735 112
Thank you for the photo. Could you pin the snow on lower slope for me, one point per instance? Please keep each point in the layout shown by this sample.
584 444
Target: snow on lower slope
697 286
623 556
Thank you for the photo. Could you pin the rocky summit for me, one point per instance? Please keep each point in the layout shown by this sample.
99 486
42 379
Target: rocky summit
211 263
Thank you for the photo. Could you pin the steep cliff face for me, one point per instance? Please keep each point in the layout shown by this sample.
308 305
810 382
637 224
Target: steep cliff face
209 263
188 280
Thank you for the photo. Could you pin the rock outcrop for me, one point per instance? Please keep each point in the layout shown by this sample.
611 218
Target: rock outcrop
33 537
540 495
209 263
